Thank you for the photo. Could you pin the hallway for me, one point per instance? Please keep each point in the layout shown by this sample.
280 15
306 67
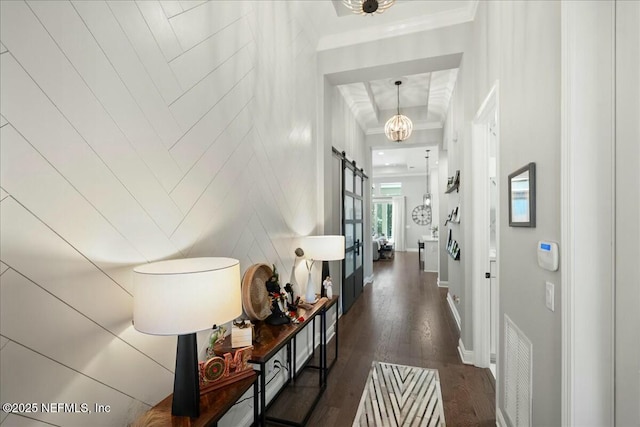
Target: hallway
403 318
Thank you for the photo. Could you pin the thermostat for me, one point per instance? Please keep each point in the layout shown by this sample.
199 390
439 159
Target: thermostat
548 255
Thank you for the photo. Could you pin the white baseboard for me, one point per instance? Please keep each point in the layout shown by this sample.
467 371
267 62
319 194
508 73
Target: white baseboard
466 356
443 283
500 421
430 271
411 250
368 279
454 311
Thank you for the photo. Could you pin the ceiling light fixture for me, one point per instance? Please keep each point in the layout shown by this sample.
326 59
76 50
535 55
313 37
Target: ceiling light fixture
398 127
368 7
426 199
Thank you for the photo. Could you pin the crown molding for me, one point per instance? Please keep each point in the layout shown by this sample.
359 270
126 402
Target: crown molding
399 28
416 126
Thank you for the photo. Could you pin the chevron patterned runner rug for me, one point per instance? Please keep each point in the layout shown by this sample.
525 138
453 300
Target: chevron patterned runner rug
398 395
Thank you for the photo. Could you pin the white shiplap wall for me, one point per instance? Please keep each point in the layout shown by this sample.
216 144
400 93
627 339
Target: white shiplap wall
133 132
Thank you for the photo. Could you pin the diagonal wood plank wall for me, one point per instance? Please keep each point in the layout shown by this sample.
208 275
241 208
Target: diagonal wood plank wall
132 132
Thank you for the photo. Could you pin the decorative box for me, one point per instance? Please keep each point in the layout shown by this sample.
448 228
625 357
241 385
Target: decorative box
241 334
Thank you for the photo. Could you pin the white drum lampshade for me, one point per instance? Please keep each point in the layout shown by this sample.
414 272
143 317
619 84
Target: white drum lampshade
323 248
320 248
182 297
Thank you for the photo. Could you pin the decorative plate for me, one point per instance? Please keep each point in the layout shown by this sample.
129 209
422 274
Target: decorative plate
255 298
214 368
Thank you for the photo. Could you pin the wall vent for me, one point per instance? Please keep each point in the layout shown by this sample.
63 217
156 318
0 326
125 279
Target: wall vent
518 375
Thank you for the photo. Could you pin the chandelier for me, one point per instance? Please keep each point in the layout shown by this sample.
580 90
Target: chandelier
368 7
398 127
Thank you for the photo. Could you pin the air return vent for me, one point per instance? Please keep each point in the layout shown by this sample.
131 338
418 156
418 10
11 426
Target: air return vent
517 378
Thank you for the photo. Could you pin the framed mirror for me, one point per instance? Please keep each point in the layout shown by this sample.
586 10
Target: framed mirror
522 197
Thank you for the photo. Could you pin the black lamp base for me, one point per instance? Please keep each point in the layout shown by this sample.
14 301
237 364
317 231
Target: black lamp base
186 385
325 273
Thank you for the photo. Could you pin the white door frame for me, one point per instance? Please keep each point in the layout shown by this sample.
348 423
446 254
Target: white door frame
481 289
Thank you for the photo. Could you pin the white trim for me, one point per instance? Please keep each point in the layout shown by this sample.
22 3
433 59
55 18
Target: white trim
454 311
587 133
400 28
411 250
381 174
466 356
480 263
442 283
566 227
500 421
490 103
368 279
430 271
473 8
416 126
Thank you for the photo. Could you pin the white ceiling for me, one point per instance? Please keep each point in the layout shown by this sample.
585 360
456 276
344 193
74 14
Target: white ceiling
424 97
403 161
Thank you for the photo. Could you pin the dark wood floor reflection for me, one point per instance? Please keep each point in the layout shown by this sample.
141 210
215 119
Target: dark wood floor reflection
403 318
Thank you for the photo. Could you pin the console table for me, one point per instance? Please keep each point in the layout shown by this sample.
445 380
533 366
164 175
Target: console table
213 406
269 339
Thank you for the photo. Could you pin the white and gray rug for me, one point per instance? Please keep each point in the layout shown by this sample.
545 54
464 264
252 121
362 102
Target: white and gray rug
398 395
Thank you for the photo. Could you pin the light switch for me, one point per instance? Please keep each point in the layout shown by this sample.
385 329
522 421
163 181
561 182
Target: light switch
549 295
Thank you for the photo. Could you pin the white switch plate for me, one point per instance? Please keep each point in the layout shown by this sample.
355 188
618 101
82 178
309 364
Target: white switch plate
549 295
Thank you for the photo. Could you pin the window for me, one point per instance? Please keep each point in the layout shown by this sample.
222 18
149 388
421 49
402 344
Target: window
382 218
391 189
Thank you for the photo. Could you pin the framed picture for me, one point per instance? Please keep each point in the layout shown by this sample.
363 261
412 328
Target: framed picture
522 197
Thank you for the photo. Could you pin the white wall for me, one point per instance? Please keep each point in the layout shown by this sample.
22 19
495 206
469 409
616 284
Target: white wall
455 139
413 188
517 44
443 169
133 132
347 136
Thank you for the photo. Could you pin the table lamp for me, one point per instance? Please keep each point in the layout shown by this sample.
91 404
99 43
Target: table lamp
182 297
320 248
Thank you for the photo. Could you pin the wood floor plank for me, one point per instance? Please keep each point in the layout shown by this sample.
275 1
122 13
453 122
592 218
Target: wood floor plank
404 318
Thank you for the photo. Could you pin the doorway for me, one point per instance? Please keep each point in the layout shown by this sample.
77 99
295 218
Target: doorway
486 232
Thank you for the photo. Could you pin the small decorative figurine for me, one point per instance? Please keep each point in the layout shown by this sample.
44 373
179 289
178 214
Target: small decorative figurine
278 301
217 335
328 287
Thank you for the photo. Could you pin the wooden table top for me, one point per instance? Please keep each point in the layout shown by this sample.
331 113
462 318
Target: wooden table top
269 339
213 406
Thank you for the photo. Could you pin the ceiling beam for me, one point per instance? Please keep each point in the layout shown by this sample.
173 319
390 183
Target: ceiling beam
372 100
428 92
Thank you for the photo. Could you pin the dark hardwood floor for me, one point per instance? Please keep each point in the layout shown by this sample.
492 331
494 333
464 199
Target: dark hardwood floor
403 318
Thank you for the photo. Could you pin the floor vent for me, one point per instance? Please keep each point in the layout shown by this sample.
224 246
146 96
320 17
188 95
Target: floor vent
518 375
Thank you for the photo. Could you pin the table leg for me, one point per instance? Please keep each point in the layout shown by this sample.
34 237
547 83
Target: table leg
263 394
313 336
256 392
323 346
291 362
336 334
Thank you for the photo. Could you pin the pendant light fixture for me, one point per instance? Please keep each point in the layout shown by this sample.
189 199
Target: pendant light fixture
368 7
426 199
398 127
